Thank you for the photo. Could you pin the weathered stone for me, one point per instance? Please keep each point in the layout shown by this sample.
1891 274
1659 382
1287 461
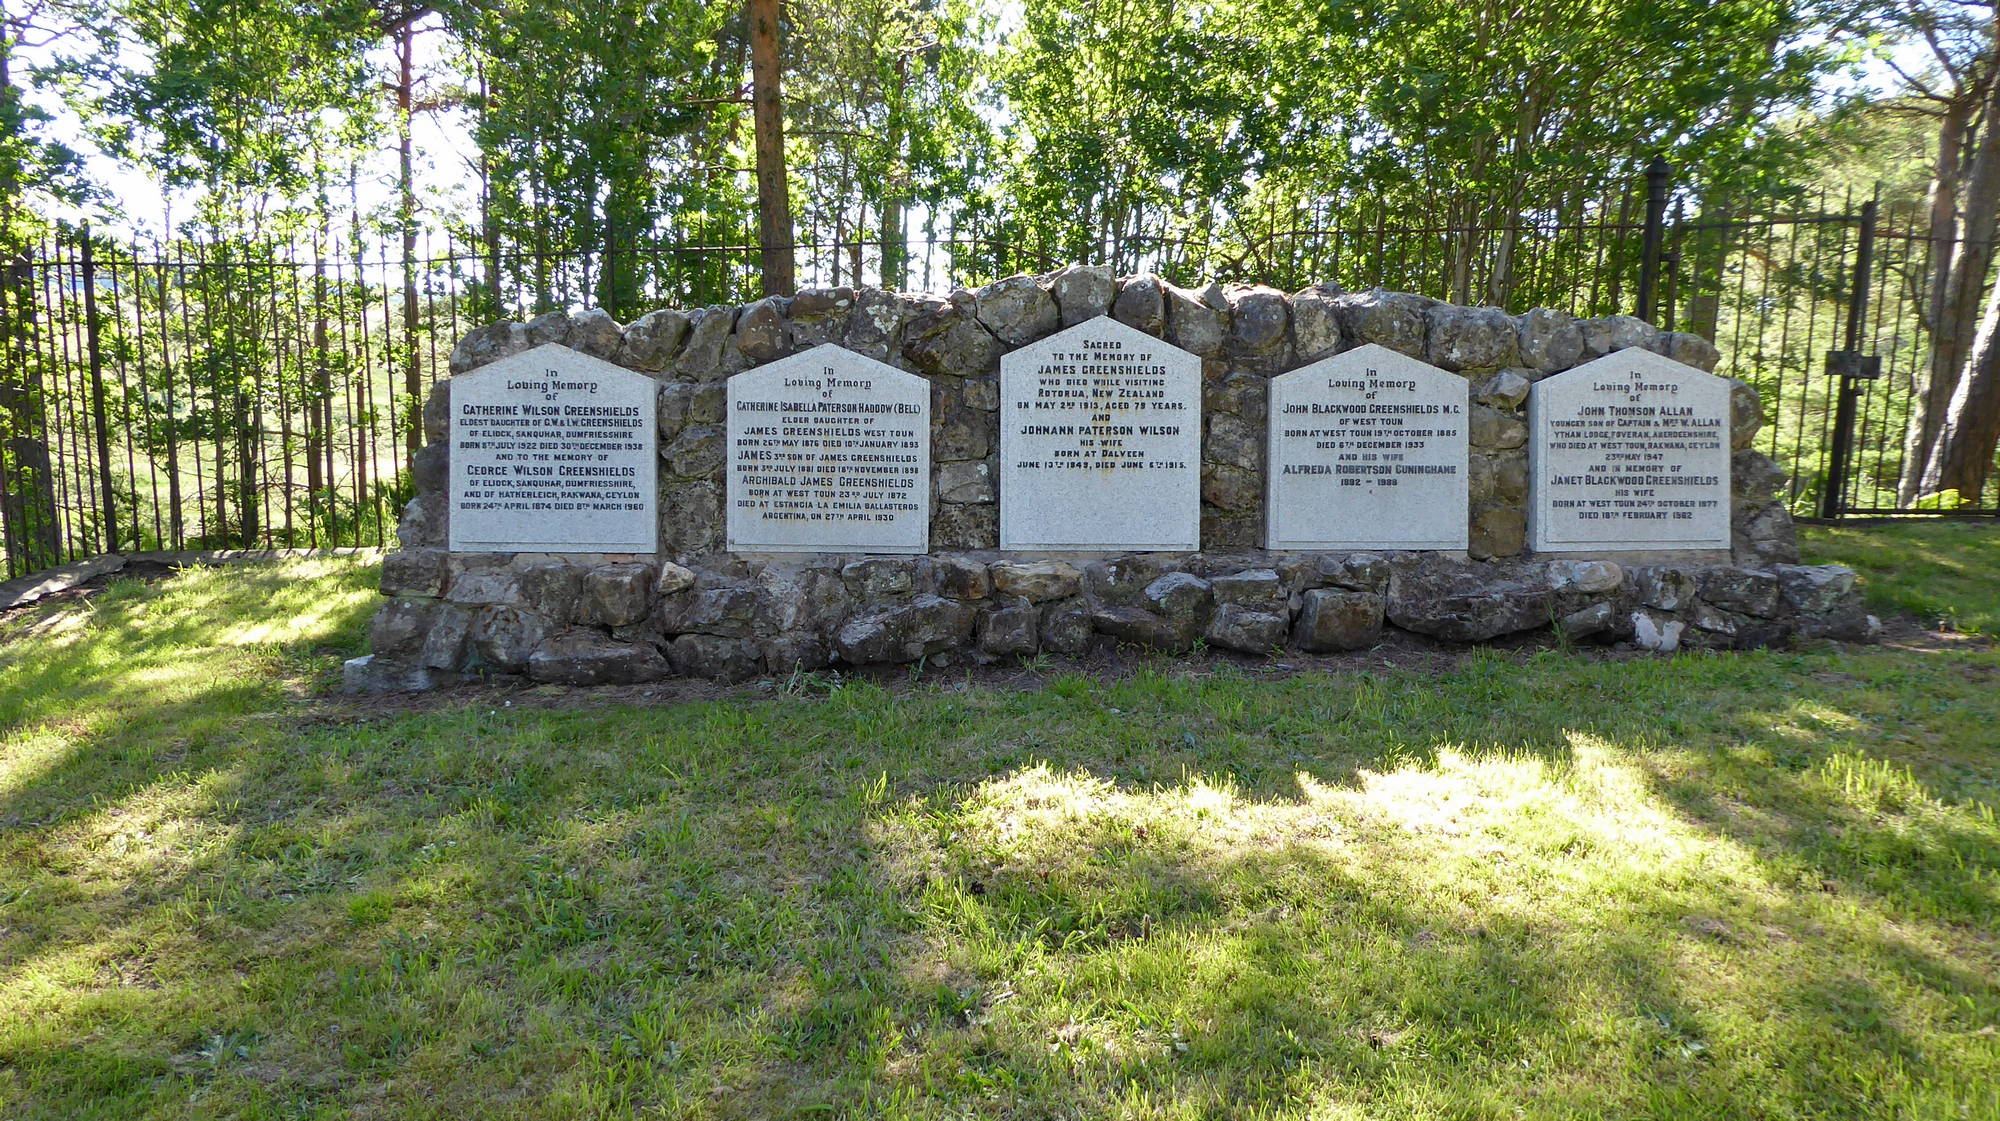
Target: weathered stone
1746 414
730 611
1238 393
488 344
697 453
961 578
1612 333
1084 292
1813 589
880 577
1235 441
448 646
1181 598
760 330
1065 627
1510 477
1762 533
969 481
589 658
1191 324
1480 479
654 339
1391 319
373 674
1744 591
593 332
1009 630
950 340
818 316
1468 338
437 413
1492 429
796 652
1584 577
551 588
875 325
1333 619
690 519
617 594
426 522
1250 587
1497 531
1259 319
414 572
1664 586
1692 350
923 626
1503 389
1143 627
399 626
482 586
1141 303
1358 572
1464 603
549 327
1549 340
673 578
1121 580
966 525
957 432
1588 621
1315 322
1036 581
1018 310
1846 622
701 357
1658 633
504 637
1246 629
716 657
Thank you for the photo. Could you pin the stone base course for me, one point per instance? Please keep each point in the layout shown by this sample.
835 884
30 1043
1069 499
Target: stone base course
590 620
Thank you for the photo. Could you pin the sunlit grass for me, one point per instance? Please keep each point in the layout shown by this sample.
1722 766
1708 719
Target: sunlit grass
1939 571
1536 885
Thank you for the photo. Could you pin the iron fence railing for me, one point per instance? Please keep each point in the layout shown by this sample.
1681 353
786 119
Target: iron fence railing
242 393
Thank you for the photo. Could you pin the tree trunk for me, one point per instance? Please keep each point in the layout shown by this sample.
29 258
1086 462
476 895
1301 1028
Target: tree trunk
1962 456
406 217
27 490
774 207
1927 405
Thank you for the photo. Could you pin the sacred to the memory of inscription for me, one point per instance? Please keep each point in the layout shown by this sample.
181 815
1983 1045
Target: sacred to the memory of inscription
553 451
1630 451
1100 442
829 452
1367 451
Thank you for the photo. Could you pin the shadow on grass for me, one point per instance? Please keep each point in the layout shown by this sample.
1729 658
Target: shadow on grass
1658 889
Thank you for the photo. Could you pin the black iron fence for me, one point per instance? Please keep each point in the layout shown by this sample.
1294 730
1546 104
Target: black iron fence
249 394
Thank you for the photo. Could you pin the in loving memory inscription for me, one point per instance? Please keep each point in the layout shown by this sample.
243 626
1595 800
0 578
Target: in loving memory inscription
553 451
1367 451
1100 442
1630 451
829 451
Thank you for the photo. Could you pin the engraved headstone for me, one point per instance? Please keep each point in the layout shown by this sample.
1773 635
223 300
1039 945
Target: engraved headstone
553 451
829 452
1630 451
1100 442
1367 451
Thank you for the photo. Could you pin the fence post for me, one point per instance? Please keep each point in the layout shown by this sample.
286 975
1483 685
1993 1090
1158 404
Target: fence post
1659 184
1852 369
97 409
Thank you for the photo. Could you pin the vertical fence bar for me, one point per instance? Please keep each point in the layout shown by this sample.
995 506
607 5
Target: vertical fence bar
1833 497
1659 183
94 355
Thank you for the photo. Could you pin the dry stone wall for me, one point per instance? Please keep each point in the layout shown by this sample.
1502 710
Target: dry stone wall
694 607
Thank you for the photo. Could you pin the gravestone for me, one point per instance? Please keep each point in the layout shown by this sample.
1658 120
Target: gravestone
1100 442
553 451
829 452
1367 451
1629 452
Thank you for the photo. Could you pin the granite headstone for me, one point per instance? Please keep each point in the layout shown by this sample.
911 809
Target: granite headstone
1629 452
829 451
553 451
1367 451
1100 442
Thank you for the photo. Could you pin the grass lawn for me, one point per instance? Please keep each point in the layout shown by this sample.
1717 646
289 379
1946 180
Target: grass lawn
1532 885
